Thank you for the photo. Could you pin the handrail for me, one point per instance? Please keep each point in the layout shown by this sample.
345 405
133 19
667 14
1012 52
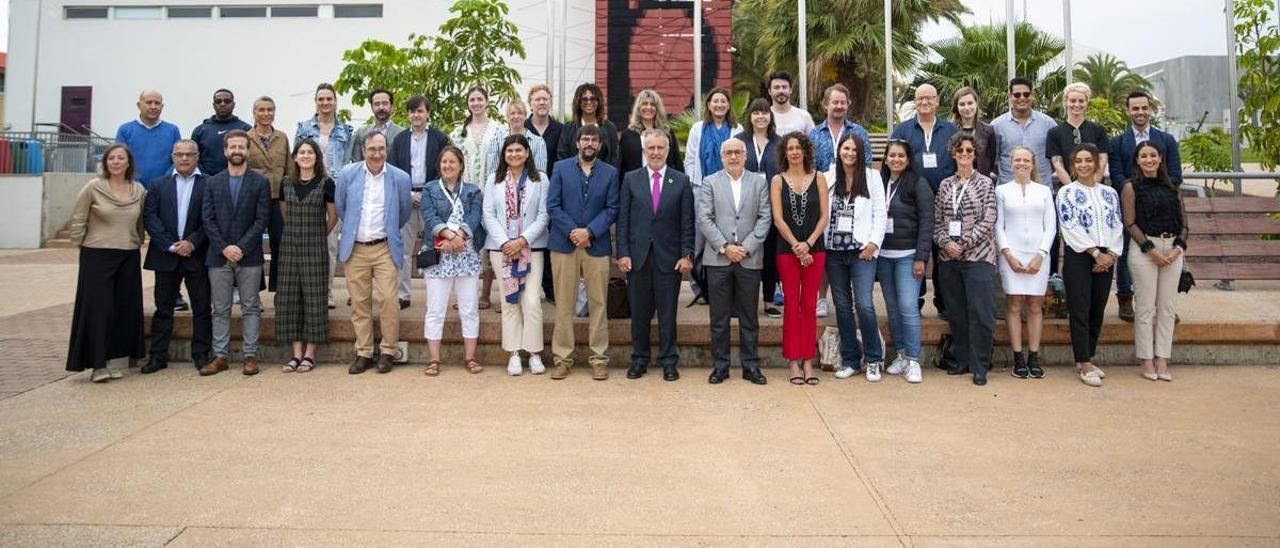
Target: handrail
1237 178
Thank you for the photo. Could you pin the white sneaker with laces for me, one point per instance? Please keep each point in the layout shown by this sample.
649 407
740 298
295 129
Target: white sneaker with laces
822 308
873 371
844 372
513 366
535 364
898 366
913 374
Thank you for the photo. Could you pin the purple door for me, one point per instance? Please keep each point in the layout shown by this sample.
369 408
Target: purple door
77 109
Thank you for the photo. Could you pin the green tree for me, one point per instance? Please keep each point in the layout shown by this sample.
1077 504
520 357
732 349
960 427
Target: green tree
1258 58
471 48
1107 115
1109 78
845 42
1207 151
976 58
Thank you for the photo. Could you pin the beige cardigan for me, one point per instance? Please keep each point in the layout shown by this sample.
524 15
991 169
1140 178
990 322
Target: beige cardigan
102 221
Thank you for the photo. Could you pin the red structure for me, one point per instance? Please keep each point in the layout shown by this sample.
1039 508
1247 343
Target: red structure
649 44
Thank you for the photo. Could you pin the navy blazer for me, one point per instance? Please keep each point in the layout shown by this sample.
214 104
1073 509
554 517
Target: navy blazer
402 146
160 217
669 232
574 201
240 223
768 164
436 208
1123 147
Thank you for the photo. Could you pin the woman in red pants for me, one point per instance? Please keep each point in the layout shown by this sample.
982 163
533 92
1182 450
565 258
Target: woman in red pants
798 195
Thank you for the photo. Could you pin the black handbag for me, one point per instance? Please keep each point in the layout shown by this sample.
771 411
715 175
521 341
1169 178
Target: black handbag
428 256
1186 282
943 358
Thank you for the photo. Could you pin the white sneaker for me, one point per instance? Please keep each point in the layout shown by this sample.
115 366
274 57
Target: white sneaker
843 372
1092 378
913 374
535 364
898 366
873 371
100 375
115 373
822 308
513 366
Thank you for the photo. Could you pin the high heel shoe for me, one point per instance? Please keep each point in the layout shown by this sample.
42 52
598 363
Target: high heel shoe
1150 376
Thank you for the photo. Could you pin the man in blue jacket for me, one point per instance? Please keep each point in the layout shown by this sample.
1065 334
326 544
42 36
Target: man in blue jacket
208 135
582 201
1121 152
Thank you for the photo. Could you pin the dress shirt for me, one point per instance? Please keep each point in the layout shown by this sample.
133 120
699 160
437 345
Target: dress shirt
184 186
1140 137
372 207
418 159
735 184
1034 135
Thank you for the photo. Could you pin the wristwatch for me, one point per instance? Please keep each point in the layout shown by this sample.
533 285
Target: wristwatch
1095 252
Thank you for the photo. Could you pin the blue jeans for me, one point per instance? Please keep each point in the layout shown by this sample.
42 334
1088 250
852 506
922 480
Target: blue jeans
845 270
901 293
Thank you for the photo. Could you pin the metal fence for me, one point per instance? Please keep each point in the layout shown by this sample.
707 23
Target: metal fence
41 151
1237 179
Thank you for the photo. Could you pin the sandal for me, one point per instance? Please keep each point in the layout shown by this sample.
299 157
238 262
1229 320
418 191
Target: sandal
433 368
811 380
798 381
473 366
484 304
307 364
291 366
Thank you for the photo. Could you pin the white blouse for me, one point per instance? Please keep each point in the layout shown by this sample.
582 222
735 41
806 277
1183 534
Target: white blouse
1089 216
1026 223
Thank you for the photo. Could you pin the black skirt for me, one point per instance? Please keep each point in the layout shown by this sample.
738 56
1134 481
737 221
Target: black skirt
107 323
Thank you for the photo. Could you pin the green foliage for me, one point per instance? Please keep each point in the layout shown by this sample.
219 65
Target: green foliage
1207 151
977 58
471 48
1107 115
1109 78
1258 58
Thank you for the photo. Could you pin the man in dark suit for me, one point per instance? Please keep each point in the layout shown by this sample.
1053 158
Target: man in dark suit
415 152
1120 166
172 216
582 203
655 249
235 210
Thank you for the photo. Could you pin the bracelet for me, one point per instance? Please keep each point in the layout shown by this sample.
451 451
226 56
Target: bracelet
1146 246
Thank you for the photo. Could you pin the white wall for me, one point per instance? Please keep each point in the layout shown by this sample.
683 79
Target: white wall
20 210
186 59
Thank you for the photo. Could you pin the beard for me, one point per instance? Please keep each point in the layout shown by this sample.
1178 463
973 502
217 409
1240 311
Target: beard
588 154
235 159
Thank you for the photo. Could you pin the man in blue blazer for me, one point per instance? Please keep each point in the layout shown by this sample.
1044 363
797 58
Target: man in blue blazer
235 211
1121 154
655 249
416 152
172 217
374 202
582 202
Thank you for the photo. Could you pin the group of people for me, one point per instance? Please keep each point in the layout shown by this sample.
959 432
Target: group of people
782 211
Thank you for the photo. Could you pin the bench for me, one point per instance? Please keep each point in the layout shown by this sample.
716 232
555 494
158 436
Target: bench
1225 238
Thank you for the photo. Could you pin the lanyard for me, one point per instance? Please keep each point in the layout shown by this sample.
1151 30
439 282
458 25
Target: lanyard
455 201
893 190
928 136
759 154
955 202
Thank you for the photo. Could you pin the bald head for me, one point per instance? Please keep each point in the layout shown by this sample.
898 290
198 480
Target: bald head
733 153
926 101
150 105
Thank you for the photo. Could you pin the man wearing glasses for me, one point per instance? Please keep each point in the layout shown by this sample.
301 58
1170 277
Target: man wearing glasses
928 136
209 134
1022 126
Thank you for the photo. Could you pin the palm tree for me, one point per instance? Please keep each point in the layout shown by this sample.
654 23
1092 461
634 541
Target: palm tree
976 58
845 41
1110 78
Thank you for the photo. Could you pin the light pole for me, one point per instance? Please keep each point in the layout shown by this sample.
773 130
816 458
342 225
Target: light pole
1068 59
564 52
803 50
1233 100
551 42
888 65
1009 25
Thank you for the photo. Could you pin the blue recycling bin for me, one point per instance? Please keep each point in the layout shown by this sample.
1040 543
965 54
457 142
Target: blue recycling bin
35 157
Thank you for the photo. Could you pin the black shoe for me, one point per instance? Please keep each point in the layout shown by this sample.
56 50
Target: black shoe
958 370
384 363
1020 367
1033 366
754 375
980 380
670 373
152 367
359 365
697 299
718 375
181 305
637 370
772 312
404 303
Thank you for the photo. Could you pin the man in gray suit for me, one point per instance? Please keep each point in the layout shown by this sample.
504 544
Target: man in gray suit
655 249
734 217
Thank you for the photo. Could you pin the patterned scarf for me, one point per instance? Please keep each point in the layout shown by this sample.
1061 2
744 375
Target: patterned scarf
514 271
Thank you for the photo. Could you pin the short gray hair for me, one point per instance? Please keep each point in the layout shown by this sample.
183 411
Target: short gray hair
655 132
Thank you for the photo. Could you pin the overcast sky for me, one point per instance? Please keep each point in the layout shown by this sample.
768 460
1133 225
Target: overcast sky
1137 31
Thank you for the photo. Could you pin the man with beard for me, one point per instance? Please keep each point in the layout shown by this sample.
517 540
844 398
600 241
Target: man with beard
235 212
582 202
209 135
383 104
786 117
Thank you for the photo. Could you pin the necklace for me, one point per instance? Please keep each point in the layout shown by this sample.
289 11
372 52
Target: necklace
798 214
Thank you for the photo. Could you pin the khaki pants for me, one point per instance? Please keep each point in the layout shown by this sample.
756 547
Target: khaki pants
565 270
1155 291
372 273
522 321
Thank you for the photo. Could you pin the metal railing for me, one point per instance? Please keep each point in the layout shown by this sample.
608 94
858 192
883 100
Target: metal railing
1237 179
61 151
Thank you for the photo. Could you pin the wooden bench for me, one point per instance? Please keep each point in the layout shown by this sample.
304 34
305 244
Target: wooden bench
1225 238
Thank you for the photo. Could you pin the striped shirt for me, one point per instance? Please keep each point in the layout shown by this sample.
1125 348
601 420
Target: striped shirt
973 203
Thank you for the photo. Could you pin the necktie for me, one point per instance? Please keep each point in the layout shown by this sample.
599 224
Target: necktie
657 189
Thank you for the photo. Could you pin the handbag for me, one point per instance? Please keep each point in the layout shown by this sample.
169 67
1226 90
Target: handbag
942 357
428 256
1186 281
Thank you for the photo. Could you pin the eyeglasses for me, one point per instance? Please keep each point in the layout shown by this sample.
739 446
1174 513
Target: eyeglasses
927 98
966 150
1020 94
734 152
185 154
589 99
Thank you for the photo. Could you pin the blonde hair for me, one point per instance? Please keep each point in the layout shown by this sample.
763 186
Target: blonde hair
1079 87
536 88
659 116
516 103
1035 167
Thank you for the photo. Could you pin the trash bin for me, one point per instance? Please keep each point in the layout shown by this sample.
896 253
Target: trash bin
35 157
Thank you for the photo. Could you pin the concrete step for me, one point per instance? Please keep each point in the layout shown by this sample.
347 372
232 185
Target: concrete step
60 242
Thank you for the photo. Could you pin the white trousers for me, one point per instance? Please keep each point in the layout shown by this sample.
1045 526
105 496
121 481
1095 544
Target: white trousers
1155 292
466 291
522 321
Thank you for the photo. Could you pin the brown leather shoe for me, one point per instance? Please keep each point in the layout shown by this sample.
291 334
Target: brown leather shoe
561 369
1126 307
384 363
600 371
359 365
218 365
250 367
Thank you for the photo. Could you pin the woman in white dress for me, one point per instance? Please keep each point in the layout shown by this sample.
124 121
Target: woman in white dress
1025 228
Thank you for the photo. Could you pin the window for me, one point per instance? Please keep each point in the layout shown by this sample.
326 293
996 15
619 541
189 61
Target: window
242 11
295 11
138 13
198 12
81 12
357 10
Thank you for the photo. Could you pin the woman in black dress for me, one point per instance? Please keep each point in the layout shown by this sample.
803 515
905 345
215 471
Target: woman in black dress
302 315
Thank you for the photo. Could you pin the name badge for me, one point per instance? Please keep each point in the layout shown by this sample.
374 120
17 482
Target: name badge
953 229
888 226
844 223
929 160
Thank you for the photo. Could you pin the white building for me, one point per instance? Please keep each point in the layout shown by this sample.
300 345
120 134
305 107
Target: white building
69 56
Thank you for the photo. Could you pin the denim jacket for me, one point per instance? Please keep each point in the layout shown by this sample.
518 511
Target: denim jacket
436 208
824 148
339 143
